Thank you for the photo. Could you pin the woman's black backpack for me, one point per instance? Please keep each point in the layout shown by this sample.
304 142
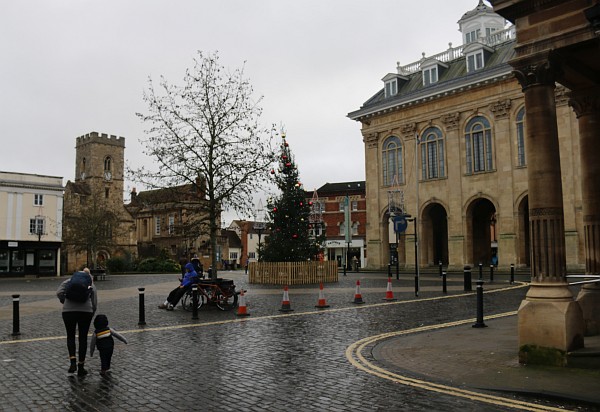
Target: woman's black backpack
79 287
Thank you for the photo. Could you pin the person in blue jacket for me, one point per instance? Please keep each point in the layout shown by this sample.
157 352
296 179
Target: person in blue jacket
191 277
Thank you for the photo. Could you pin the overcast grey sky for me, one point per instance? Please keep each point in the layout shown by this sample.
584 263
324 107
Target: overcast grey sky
69 67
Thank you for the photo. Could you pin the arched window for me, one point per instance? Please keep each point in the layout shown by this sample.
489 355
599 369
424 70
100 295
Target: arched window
478 139
392 161
521 137
107 163
432 154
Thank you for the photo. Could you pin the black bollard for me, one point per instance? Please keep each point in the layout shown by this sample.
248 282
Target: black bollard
16 327
389 270
444 286
479 323
467 279
480 271
491 273
512 273
441 268
142 309
416 285
194 301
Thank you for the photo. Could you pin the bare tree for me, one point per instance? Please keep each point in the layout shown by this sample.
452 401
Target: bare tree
91 228
207 129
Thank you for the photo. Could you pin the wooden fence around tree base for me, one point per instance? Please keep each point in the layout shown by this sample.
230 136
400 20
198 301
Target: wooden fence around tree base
292 273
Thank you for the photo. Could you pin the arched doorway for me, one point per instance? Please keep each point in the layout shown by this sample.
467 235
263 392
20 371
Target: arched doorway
481 220
435 235
523 248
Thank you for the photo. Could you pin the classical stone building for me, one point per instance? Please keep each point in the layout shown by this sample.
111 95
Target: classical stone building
98 186
172 220
446 134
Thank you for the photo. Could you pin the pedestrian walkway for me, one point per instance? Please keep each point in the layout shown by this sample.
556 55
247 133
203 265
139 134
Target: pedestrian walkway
485 358
295 361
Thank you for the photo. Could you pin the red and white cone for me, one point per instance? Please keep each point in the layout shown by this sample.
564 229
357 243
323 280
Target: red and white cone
357 296
389 295
321 304
242 309
285 303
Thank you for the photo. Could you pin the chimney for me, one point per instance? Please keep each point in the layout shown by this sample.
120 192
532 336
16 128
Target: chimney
201 187
133 195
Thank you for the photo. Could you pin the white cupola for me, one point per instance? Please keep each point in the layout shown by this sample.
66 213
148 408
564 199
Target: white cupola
479 23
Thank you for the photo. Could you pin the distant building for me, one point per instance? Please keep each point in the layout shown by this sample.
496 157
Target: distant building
232 255
31 208
331 200
174 220
251 234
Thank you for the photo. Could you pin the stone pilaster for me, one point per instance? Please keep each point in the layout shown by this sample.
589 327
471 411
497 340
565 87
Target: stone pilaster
586 104
548 317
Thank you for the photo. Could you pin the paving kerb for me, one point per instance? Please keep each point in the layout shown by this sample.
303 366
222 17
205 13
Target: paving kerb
484 358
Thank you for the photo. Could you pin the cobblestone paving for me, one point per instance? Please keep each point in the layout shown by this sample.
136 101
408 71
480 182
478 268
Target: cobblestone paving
267 362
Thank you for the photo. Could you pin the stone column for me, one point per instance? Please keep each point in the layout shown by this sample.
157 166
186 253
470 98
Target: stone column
586 104
548 317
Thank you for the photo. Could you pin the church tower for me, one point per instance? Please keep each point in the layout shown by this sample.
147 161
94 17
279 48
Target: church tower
100 162
99 182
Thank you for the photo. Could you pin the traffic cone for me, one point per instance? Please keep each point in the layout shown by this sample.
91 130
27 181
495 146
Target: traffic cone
357 296
389 295
242 310
321 304
285 303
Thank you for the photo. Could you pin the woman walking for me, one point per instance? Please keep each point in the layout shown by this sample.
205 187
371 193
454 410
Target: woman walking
78 296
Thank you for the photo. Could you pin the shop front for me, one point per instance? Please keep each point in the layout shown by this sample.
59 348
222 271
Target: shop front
342 252
29 258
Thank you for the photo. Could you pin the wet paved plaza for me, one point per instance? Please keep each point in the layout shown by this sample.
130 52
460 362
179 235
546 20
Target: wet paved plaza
269 361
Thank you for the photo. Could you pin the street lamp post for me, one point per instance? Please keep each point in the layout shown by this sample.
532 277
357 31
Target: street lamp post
414 219
259 226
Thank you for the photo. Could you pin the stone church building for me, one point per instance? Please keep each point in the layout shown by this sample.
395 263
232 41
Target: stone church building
99 181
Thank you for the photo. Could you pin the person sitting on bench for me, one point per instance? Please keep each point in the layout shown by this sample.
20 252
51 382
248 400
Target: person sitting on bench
188 280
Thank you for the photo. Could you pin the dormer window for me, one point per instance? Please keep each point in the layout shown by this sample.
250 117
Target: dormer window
430 76
431 70
391 88
475 61
392 84
476 55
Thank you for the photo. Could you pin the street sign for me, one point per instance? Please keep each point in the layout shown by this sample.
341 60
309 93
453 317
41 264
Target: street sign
400 224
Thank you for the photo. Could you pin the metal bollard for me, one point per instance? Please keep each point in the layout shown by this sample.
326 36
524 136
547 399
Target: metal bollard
467 279
194 301
444 286
480 271
389 270
479 323
416 285
16 331
441 268
512 273
491 273
142 309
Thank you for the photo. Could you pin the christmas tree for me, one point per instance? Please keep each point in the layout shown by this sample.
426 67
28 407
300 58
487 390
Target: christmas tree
289 240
